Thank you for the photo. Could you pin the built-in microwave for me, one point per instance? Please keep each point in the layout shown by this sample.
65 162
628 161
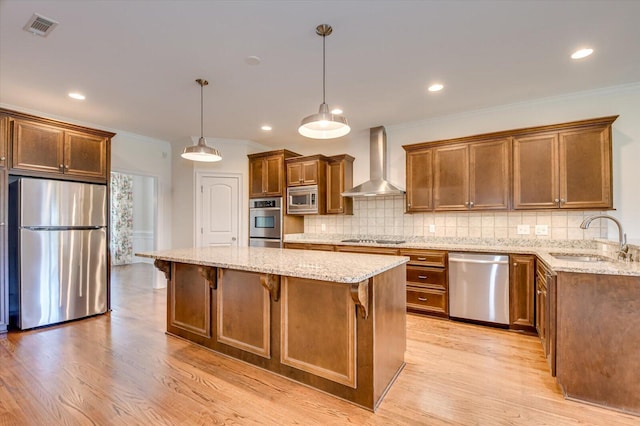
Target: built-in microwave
302 199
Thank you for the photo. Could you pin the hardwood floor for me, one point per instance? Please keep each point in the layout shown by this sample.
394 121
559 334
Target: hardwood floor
121 369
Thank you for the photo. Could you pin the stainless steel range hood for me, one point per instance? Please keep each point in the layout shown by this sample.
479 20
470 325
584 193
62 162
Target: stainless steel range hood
377 184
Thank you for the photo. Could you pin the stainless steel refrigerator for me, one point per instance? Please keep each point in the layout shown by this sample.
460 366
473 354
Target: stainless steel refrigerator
58 245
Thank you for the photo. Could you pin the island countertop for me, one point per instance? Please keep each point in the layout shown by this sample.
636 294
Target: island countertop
346 268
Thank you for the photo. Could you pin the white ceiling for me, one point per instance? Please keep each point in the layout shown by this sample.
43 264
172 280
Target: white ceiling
136 61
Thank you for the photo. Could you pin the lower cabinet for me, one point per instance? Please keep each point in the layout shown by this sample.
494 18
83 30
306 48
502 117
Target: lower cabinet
546 313
521 292
4 291
427 283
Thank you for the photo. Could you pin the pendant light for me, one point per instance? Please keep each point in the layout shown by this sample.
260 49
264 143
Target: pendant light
324 125
201 151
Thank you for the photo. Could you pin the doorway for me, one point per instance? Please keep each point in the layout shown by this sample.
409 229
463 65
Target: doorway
133 217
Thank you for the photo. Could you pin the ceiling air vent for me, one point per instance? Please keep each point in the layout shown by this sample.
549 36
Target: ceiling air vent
39 25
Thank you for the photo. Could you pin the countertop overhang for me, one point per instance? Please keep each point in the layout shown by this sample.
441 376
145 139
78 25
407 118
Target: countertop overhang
345 268
542 251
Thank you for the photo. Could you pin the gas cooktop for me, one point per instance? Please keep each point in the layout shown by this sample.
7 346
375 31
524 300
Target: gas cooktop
366 240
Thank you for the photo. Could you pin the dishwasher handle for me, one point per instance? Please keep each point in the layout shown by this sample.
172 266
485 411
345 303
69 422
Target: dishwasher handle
486 262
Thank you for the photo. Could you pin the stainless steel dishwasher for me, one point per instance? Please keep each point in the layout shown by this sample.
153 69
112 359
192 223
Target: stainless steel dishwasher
479 287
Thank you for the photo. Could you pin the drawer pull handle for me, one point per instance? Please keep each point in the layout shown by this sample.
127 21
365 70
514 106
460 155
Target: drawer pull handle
422 258
422 277
422 299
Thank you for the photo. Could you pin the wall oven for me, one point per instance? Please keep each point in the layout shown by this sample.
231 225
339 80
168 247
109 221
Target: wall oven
302 199
265 222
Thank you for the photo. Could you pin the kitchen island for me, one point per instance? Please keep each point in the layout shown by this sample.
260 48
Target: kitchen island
333 321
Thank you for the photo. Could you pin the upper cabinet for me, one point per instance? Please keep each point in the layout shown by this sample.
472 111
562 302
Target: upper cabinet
267 173
459 176
559 166
339 179
41 147
420 180
4 140
310 170
567 169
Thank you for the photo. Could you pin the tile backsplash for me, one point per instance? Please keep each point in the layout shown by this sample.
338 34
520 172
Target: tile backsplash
386 216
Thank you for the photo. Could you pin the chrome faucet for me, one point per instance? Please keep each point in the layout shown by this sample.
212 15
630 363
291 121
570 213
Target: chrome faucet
623 251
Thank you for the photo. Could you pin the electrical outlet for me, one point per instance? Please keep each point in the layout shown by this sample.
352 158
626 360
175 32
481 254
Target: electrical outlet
523 229
432 228
323 227
542 229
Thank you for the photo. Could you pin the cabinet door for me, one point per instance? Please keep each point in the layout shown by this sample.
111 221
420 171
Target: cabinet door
274 179
4 141
489 174
37 147
541 310
310 172
419 180
256 172
585 168
521 291
85 155
535 172
294 174
189 303
4 291
451 177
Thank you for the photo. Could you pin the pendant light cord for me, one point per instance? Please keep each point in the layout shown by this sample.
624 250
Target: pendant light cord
201 111
323 69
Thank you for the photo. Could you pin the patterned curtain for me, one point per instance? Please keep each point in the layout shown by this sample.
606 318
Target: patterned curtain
121 219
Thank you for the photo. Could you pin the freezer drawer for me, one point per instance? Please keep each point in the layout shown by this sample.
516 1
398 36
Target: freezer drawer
479 287
63 275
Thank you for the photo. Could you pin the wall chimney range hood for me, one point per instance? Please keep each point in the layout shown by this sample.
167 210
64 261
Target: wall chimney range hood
378 183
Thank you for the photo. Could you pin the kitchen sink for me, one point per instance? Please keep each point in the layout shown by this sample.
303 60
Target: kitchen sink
588 258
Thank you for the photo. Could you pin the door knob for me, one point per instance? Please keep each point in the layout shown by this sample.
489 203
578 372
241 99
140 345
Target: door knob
233 238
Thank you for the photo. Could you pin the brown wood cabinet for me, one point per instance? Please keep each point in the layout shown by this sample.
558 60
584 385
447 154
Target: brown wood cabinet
267 173
4 288
567 169
4 140
308 170
546 313
42 147
427 282
420 180
522 291
309 246
564 165
339 179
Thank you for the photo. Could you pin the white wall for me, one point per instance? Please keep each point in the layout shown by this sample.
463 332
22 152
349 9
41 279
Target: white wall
234 160
621 100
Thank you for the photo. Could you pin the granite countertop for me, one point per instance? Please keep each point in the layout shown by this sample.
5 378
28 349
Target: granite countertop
540 248
325 266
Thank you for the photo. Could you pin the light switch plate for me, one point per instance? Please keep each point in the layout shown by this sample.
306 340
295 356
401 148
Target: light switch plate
523 229
542 229
432 228
323 227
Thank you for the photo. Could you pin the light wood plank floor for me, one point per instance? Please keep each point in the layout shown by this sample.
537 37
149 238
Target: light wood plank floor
121 369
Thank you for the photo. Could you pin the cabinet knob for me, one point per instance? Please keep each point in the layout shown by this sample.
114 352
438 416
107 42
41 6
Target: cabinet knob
562 201
515 264
62 166
471 203
3 158
421 258
556 200
422 277
466 203
408 204
422 299
66 167
539 291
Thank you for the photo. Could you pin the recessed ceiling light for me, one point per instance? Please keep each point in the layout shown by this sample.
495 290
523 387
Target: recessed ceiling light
78 96
582 53
266 128
336 111
436 87
252 60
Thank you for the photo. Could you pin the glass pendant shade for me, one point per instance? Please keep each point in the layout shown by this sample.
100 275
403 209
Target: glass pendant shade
201 151
324 125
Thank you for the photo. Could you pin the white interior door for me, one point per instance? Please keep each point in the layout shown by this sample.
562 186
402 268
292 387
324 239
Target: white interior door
217 210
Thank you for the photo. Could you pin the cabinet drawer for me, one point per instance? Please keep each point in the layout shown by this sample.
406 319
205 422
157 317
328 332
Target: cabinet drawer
425 258
425 276
427 300
367 249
